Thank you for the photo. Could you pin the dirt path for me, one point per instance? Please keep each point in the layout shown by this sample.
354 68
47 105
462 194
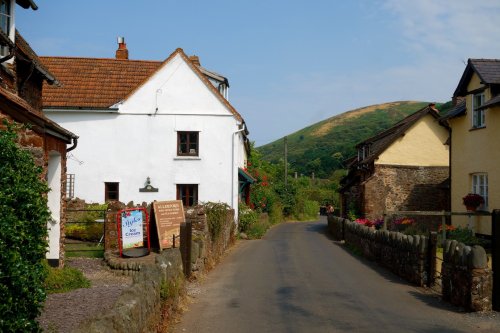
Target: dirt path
63 312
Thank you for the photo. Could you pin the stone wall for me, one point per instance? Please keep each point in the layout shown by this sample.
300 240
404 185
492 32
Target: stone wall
138 309
400 188
404 255
466 279
205 250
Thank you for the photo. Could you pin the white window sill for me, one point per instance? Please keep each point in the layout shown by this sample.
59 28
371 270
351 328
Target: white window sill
184 158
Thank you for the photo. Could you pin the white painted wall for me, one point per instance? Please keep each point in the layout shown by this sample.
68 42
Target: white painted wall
54 203
137 142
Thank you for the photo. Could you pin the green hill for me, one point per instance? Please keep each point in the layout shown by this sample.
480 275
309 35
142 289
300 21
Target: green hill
322 148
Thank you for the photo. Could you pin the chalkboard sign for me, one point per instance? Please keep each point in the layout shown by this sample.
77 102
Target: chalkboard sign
168 216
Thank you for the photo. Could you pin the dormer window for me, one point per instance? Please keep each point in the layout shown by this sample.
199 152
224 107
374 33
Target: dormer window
478 119
224 91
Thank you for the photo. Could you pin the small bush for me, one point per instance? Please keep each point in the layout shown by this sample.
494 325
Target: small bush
216 217
466 236
61 280
276 213
90 231
247 217
258 229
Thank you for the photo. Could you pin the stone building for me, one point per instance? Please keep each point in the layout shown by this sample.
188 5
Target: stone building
405 167
21 80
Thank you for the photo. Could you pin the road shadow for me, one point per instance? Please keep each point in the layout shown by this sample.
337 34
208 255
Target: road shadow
426 295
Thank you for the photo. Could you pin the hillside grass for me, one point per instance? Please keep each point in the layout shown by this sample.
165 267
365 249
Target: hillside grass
323 147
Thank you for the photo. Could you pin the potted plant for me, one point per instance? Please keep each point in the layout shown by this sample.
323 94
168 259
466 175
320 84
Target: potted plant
472 201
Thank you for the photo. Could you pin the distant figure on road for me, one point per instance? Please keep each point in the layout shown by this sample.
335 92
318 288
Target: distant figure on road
329 209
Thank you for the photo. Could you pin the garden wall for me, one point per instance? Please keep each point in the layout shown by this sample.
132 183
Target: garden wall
208 246
466 278
138 309
404 255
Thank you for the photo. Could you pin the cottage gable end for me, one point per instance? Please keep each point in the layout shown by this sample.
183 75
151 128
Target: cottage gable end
423 144
176 88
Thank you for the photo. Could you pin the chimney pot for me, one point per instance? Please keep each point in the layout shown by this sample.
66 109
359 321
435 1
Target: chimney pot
122 51
195 60
433 107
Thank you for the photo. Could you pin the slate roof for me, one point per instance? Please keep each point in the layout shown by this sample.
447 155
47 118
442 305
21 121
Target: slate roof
383 140
492 102
488 71
28 54
456 111
99 83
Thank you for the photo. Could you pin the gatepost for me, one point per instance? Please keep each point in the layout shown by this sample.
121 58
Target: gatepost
495 257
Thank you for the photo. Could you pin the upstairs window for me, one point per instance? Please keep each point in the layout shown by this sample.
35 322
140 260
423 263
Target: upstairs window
478 120
480 186
5 16
187 143
188 194
5 21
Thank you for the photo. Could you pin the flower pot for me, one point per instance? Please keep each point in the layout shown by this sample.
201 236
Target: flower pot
471 208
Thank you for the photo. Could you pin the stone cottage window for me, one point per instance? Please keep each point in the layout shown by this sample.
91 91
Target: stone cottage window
480 186
188 194
111 191
187 143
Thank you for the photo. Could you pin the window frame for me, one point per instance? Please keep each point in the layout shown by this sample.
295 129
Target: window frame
188 143
479 185
108 191
70 186
191 190
478 116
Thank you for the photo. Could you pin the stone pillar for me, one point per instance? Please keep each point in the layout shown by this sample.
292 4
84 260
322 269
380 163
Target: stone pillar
110 228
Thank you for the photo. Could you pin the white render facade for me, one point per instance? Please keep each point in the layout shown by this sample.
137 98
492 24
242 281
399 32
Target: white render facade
137 138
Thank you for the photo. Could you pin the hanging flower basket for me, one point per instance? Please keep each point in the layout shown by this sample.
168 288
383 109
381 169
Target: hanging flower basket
472 201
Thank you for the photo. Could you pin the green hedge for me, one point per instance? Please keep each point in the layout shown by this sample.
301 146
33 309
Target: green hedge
23 240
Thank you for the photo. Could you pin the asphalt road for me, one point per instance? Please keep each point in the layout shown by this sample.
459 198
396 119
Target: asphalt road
297 279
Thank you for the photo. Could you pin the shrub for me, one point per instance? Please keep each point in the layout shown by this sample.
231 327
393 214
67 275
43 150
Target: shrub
258 229
216 217
90 231
466 236
23 240
61 280
276 213
247 217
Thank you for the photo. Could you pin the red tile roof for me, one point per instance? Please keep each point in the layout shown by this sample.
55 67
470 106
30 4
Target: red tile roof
93 82
100 83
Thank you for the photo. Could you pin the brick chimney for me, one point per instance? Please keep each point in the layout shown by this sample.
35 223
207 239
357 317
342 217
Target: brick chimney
122 52
433 107
195 60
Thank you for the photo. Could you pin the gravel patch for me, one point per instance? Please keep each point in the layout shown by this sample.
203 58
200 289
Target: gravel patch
64 312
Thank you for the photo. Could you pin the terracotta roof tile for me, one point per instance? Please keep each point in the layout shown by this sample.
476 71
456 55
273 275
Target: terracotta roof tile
93 82
102 82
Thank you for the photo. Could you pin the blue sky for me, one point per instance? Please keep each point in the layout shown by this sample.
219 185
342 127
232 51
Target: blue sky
290 63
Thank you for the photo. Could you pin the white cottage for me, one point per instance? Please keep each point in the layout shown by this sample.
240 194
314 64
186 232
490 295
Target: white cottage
149 130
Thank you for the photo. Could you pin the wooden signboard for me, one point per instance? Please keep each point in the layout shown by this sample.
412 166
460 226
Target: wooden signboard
168 216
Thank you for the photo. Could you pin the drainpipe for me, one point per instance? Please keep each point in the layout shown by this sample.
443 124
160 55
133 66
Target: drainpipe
232 165
75 143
